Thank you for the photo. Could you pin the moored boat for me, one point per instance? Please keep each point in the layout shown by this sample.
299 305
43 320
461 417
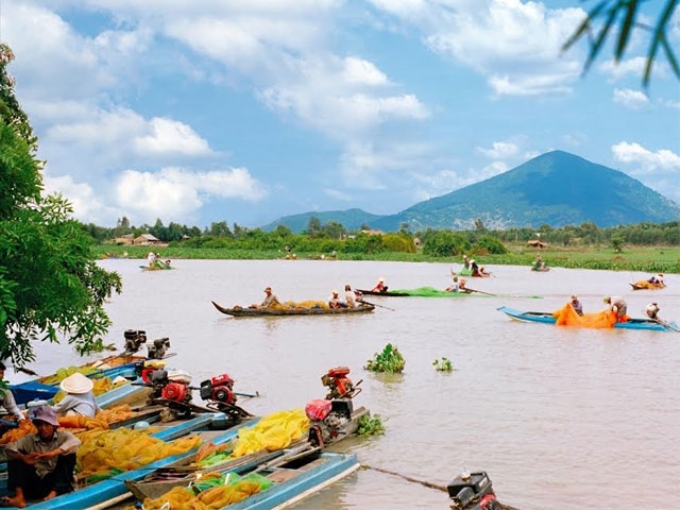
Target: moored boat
551 318
282 311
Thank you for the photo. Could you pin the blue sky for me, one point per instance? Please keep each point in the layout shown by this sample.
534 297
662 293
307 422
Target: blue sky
248 110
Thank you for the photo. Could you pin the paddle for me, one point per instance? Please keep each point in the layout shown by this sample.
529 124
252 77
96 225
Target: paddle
373 304
27 371
468 289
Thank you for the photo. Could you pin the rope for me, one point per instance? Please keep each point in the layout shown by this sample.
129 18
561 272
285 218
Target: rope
429 485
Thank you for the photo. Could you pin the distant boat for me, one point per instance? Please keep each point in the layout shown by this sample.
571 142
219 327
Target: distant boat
238 311
633 323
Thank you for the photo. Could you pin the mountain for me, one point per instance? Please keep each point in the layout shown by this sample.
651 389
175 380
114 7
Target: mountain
556 188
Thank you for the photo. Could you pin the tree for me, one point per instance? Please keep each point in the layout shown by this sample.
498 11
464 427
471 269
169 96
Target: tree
50 283
625 13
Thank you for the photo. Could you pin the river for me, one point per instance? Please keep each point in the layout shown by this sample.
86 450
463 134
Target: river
560 418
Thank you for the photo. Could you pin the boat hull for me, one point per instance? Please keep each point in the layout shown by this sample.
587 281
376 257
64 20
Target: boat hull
547 318
287 312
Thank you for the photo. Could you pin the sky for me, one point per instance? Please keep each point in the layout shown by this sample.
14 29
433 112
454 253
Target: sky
245 111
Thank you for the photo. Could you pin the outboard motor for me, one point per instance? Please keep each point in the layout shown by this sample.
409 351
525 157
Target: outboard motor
134 338
218 389
158 348
330 417
472 491
172 386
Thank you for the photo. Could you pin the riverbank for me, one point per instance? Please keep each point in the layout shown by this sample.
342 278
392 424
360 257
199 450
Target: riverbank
648 259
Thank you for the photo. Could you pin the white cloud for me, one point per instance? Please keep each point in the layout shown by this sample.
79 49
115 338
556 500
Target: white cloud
648 160
659 170
86 206
168 136
174 193
360 71
500 150
633 99
618 70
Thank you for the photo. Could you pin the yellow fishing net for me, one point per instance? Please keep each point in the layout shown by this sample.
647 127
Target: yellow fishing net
567 316
644 284
275 431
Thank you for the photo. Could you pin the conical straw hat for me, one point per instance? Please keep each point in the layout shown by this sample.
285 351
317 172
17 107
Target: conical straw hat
76 383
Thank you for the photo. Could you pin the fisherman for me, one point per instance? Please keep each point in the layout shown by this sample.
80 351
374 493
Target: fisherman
455 286
334 301
656 280
576 304
466 262
7 398
79 399
269 301
41 465
350 296
652 311
618 306
538 263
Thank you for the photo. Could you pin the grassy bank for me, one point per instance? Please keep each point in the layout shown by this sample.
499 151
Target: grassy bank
638 258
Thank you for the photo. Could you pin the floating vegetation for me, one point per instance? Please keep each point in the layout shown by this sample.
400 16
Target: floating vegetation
389 360
443 365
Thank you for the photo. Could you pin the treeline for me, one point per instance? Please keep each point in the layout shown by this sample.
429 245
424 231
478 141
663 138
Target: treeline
334 237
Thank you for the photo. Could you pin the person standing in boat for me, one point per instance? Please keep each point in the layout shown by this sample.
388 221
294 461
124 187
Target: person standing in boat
7 398
618 306
576 304
151 258
350 296
79 399
41 465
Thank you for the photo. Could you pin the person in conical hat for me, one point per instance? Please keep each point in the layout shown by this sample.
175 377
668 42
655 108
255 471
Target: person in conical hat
79 398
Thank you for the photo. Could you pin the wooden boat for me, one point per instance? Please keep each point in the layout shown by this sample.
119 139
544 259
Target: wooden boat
238 311
297 472
387 293
432 292
541 269
43 389
113 490
548 318
645 285
158 265
469 273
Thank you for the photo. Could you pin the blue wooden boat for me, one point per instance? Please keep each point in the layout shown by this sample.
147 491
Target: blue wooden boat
633 323
296 473
108 492
38 390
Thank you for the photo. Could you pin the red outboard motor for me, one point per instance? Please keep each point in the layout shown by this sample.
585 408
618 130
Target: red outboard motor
219 389
339 385
172 386
472 491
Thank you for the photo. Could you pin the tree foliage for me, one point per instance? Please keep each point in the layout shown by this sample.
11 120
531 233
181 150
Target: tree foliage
606 14
50 284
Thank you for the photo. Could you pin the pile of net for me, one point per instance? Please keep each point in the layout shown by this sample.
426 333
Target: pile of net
644 284
567 316
300 305
105 453
217 490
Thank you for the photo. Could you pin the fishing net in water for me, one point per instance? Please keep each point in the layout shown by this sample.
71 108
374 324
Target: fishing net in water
428 292
567 316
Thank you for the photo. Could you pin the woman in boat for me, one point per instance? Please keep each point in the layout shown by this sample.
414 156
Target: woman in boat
41 465
380 286
7 398
79 399
455 286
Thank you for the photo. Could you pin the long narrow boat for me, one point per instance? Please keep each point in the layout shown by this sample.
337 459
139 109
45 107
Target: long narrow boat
429 292
548 318
108 492
238 311
294 473
387 293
